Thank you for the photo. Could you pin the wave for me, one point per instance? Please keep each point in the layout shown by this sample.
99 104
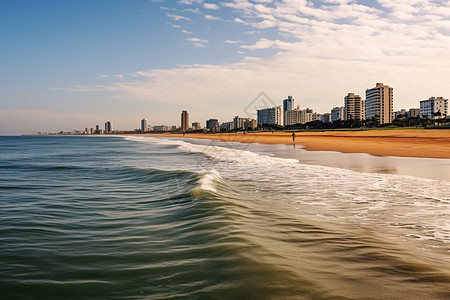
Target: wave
207 183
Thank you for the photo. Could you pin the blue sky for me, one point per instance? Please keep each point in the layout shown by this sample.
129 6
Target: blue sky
74 64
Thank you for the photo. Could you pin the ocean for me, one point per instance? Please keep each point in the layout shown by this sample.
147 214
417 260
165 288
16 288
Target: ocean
115 217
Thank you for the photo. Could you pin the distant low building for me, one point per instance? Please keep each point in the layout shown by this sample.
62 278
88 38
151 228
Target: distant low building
337 113
413 112
196 126
227 126
161 128
399 113
434 108
213 125
250 124
299 116
244 123
326 118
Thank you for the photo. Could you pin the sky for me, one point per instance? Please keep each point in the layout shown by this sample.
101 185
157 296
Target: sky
68 65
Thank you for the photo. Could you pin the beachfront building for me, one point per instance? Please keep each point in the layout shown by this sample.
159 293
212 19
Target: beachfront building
337 113
288 104
400 113
250 124
161 128
184 121
212 125
413 112
244 123
316 116
301 116
144 125
353 107
379 103
326 118
196 126
293 116
108 127
269 116
227 126
434 108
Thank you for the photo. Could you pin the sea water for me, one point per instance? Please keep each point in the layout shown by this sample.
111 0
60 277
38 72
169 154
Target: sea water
157 218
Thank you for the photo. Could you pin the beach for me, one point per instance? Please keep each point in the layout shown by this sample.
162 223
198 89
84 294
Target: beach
421 143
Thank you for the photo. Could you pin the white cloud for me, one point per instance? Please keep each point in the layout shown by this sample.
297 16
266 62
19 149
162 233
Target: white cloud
178 17
265 44
193 10
190 2
211 6
238 20
231 42
118 76
212 18
186 31
197 42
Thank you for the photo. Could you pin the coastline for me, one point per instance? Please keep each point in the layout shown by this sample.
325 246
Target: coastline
419 143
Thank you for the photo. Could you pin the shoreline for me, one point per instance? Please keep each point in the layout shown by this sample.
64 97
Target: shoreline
419 143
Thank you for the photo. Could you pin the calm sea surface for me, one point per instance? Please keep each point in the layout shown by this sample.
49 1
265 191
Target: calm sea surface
157 218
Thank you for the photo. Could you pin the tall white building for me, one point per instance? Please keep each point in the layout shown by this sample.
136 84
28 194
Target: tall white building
288 104
380 103
337 113
434 108
270 116
144 125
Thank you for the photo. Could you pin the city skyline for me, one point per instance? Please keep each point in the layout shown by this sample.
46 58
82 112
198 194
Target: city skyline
66 65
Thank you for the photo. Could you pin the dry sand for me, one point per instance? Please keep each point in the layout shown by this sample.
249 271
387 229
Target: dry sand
425 143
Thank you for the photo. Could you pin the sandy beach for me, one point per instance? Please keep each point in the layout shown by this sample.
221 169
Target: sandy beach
404 143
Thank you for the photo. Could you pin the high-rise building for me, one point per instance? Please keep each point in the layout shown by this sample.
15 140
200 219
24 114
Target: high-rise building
108 127
337 113
353 107
434 108
380 103
269 116
288 104
144 125
184 121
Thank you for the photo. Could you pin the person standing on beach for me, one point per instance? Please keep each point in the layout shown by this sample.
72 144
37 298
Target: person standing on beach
293 137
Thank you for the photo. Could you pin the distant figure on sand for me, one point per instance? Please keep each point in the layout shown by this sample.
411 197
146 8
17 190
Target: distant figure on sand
293 137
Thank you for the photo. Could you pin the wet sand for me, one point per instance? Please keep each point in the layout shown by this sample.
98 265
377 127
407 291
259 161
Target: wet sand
424 143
